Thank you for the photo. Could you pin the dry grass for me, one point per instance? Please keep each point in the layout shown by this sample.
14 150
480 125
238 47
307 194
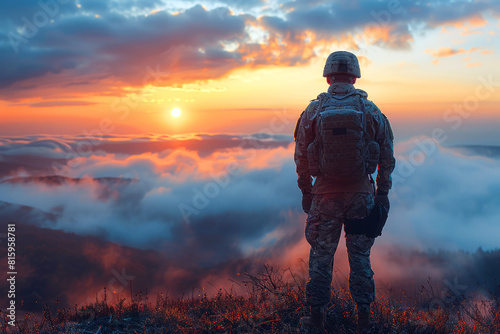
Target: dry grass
274 303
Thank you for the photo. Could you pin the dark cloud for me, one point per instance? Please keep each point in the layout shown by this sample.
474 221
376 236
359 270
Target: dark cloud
137 51
338 16
12 12
60 104
375 18
243 4
95 6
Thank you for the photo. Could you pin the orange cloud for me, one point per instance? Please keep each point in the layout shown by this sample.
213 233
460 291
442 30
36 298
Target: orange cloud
364 61
475 21
474 64
469 25
478 21
445 52
448 52
388 35
468 31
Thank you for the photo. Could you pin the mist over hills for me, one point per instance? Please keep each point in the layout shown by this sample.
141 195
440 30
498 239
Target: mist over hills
73 269
187 211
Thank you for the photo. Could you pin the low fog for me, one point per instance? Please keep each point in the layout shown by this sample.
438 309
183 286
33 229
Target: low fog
194 211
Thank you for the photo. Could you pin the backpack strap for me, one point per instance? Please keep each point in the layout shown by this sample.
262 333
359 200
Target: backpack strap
365 119
363 111
321 97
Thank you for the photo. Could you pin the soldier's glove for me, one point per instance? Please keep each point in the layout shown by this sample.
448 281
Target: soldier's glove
307 199
383 199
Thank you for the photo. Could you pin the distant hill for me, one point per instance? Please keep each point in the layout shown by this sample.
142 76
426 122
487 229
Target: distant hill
490 151
59 180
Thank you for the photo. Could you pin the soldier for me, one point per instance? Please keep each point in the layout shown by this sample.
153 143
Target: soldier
343 188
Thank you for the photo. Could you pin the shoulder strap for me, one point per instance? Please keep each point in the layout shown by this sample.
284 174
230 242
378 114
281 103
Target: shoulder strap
364 120
364 113
321 98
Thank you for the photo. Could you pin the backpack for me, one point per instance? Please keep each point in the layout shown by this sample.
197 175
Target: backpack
342 150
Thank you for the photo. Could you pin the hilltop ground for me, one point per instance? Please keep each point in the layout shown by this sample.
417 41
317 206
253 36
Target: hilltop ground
274 303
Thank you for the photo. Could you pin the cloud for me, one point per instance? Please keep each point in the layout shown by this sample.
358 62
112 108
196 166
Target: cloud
132 44
445 52
121 184
470 24
164 182
121 208
448 52
60 104
484 52
145 49
35 154
125 271
442 197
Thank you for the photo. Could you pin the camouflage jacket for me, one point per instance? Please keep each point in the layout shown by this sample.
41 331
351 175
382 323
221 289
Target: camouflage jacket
378 128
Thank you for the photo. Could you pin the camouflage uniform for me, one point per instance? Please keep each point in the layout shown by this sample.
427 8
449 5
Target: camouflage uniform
333 203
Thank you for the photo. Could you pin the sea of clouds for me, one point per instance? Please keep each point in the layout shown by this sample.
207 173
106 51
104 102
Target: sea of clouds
211 206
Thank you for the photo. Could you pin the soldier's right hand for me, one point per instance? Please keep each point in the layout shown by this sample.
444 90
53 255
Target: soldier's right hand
384 200
307 202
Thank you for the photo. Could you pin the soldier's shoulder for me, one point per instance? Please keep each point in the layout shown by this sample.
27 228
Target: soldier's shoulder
362 93
369 105
312 104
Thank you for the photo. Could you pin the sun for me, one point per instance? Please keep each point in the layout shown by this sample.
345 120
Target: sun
176 112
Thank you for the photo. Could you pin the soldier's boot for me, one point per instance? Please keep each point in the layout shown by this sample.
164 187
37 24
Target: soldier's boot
315 323
364 325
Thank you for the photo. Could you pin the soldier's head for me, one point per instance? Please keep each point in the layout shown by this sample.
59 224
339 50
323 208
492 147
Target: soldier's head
341 66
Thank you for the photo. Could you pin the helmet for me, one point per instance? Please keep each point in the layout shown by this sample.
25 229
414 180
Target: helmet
342 62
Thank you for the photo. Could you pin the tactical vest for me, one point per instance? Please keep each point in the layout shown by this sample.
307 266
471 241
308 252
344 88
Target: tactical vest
342 149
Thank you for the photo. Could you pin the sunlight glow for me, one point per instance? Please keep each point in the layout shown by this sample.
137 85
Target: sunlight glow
176 112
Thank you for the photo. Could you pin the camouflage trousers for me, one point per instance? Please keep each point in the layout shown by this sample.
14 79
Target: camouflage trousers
323 229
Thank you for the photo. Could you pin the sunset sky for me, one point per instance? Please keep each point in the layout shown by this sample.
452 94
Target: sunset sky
87 90
228 65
